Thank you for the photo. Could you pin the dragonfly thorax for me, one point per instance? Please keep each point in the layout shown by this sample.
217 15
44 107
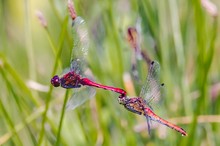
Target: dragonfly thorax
135 105
70 80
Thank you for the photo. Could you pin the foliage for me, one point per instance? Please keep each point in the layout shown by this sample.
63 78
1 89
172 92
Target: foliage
181 35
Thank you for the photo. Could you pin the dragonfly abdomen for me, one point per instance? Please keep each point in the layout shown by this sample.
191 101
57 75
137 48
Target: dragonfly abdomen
88 82
154 117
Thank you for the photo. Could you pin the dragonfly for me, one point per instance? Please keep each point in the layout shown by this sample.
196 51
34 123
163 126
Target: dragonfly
78 76
150 92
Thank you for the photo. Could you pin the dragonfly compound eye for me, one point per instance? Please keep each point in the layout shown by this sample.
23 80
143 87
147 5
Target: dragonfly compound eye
55 81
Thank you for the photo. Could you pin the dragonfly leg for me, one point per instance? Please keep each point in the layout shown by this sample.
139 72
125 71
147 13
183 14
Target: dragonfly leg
71 86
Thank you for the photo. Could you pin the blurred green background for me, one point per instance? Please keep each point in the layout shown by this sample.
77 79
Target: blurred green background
181 35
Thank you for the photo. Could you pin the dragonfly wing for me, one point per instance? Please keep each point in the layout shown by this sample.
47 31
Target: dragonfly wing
81 44
151 88
65 71
80 96
148 124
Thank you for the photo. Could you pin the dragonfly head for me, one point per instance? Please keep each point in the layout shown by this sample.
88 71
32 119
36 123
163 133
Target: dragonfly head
55 81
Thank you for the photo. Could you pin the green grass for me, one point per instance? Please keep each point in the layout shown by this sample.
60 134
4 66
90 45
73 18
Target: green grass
180 35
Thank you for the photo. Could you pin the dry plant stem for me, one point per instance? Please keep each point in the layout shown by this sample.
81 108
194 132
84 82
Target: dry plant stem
71 10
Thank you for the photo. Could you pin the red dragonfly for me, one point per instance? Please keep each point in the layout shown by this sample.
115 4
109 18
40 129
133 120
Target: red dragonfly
76 76
150 91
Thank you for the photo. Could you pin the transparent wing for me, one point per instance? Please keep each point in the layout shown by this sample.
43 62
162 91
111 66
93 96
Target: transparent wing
80 96
148 124
81 45
151 88
65 71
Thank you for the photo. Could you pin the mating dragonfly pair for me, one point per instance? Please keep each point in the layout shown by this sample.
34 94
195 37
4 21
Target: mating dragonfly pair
78 78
